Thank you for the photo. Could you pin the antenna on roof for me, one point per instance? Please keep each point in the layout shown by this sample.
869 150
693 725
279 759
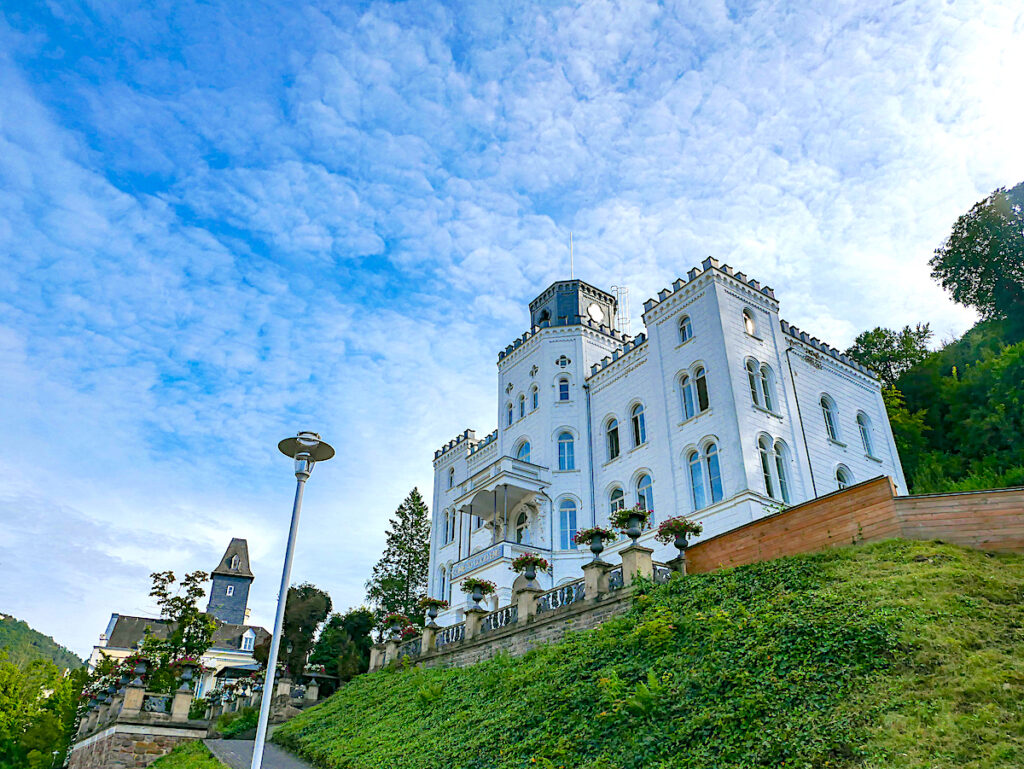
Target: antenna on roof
622 308
571 270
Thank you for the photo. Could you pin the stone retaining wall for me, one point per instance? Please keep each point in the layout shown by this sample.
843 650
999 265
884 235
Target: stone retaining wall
127 746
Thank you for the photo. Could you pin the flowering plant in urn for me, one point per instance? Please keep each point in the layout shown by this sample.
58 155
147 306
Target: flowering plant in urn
395 622
477 588
595 537
432 607
676 530
528 564
631 520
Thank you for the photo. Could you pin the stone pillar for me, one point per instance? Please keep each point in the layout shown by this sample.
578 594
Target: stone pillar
390 651
526 602
376 657
133 695
181 703
429 637
678 564
636 560
313 691
595 579
283 687
473 618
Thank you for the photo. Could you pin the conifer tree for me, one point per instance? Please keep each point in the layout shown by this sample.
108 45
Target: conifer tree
399 578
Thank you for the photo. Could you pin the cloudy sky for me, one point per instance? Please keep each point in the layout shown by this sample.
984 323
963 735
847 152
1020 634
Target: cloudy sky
224 222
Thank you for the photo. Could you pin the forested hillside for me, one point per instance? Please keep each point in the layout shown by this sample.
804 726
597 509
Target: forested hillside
958 413
23 645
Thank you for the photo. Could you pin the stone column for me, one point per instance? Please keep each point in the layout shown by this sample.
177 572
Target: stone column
473 618
678 564
283 687
429 637
636 560
391 651
312 691
133 695
376 657
595 579
181 703
526 602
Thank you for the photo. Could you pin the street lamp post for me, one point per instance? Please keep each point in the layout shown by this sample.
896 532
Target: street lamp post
307 449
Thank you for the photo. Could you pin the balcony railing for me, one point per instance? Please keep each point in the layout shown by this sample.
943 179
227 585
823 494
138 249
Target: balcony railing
563 595
450 635
506 615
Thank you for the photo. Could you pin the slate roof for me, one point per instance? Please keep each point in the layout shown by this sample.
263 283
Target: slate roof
128 631
240 548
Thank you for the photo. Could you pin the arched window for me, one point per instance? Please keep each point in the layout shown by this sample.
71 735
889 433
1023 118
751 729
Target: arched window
781 463
864 425
566 452
447 518
534 397
645 492
451 477
697 481
639 426
455 519
700 383
828 411
752 377
686 393
508 414
524 451
443 579
748 322
567 520
767 388
843 477
522 529
563 389
616 500
611 432
714 472
764 449
522 406
685 329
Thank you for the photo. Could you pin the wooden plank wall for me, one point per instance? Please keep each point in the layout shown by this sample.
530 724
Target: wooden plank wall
862 513
987 520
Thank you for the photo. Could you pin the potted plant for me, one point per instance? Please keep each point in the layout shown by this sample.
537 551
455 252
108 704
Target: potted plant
631 520
395 622
409 631
477 588
432 606
528 563
595 537
676 530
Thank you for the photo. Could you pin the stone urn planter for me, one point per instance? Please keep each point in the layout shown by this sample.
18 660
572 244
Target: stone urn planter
595 538
678 530
631 521
528 564
394 623
477 588
432 606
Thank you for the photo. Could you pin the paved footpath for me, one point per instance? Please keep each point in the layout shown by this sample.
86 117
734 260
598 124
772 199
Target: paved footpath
238 755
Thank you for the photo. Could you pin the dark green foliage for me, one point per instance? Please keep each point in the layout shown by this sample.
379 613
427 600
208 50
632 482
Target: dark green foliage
982 261
191 755
232 724
343 647
891 353
743 668
193 629
307 607
399 578
23 645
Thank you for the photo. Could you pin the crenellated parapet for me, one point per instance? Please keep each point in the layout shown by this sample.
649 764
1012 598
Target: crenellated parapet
832 352
574 320
480 445
708 264
465 439
619 354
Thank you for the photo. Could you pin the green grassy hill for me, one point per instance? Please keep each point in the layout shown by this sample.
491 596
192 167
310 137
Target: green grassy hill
889 655
23 645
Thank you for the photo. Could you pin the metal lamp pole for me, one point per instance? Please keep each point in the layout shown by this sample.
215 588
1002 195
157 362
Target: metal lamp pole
307 449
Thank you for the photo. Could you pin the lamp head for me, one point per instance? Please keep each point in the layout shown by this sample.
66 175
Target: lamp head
306 449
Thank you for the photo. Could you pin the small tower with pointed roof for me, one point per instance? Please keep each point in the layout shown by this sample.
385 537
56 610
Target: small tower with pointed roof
229 593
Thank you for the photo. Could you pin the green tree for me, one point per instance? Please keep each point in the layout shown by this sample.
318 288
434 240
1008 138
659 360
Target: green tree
399 578
343 647
192 630
982 261
891 353
306 609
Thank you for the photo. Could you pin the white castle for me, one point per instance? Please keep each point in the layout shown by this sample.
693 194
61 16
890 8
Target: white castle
720 411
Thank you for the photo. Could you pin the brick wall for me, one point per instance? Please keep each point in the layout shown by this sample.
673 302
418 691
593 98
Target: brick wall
115 748
869 512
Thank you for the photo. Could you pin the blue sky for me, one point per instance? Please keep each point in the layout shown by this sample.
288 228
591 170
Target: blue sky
224 222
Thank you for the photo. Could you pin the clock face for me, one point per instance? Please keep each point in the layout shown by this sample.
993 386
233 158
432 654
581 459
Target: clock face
595 313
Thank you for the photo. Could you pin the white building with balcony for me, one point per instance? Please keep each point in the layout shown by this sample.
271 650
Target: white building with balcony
719 411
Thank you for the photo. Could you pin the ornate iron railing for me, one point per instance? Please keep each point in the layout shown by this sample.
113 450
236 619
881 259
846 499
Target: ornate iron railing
615 578
500 618
661 573
450 635
560 596
412 648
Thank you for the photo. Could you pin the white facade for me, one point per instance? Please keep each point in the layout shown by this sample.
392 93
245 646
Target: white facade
725 398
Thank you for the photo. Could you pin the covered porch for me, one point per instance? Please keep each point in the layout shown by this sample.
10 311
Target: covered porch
508 500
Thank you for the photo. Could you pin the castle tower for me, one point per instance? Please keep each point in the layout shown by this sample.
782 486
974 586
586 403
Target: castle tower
229 593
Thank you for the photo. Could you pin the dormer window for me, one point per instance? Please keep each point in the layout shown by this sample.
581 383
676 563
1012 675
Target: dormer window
248 640
235 561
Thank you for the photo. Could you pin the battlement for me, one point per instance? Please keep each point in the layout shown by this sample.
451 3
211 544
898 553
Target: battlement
467 437
479 445
618 354
575 320
708 264
821 347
